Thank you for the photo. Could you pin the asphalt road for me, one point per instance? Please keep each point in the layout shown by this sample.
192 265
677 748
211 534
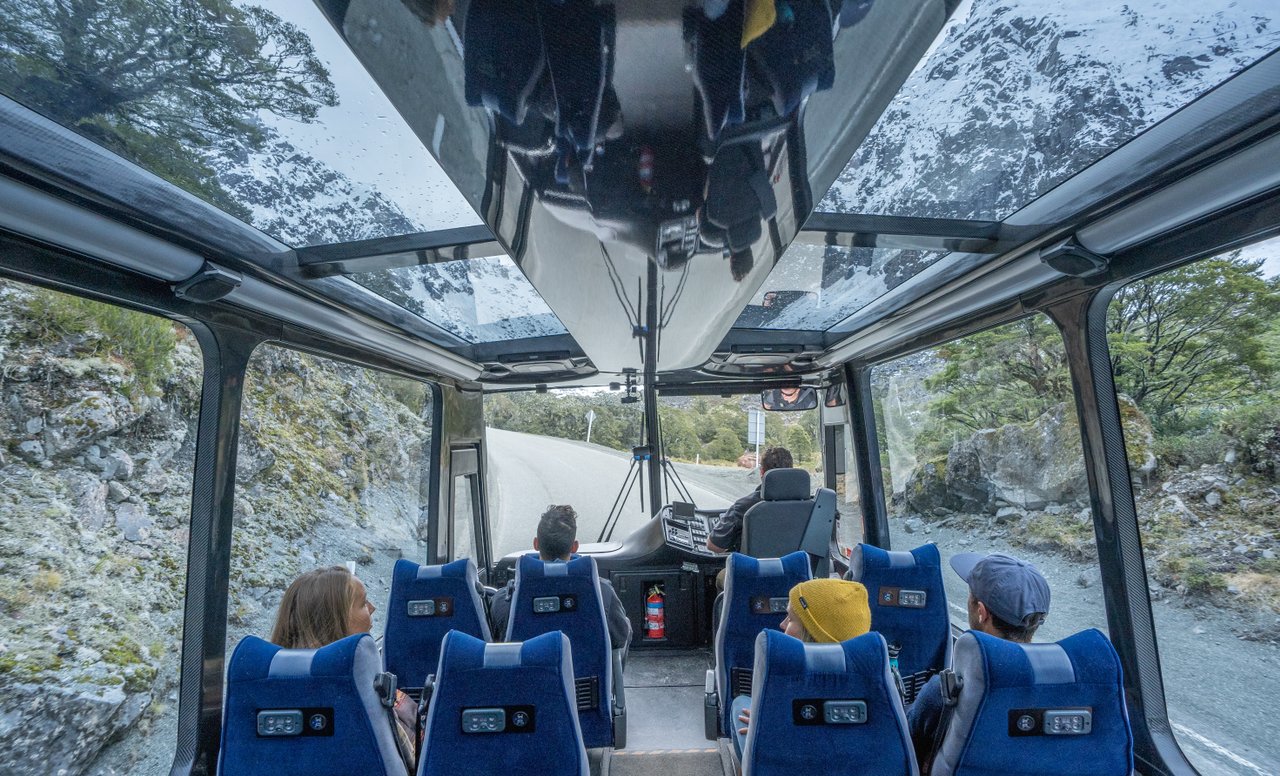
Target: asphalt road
1223 692
527 472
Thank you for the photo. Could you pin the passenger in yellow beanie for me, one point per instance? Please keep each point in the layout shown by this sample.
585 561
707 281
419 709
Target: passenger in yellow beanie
827 611
822 611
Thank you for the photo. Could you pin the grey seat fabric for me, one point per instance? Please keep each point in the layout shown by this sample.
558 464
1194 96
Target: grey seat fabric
789 519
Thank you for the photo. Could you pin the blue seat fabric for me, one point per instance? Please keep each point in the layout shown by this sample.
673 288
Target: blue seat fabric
586 628
411 645
340 677
473 674
747 579
788 670
998 676
924 635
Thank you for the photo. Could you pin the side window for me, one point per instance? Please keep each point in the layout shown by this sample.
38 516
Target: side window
1196 357
98 407
332 469
980 449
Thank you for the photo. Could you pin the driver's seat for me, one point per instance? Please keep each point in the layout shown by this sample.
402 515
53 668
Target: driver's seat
789 519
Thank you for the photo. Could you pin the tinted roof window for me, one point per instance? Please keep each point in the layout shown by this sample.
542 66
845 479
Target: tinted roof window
1019 95
259 109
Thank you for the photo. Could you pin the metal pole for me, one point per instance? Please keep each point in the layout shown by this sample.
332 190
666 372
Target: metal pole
652 440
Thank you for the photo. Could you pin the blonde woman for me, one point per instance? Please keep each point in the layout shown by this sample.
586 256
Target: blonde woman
328 604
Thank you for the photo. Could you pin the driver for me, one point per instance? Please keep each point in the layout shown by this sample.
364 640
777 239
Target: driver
726 530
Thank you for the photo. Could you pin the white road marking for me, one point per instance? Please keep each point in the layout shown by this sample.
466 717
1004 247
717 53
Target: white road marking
1218 749
963 612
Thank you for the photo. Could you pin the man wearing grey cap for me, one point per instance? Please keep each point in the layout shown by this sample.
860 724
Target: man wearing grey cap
1008 599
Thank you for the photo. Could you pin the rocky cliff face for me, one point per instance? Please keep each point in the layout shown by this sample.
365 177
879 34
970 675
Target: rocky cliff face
93 533
96 456
1027 466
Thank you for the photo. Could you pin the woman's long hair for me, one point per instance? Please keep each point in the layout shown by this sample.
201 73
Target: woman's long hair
314 609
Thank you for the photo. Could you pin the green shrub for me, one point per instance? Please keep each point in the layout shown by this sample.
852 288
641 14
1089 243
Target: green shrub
143 341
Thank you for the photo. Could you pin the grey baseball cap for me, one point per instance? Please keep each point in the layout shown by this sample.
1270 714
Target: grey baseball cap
1012 589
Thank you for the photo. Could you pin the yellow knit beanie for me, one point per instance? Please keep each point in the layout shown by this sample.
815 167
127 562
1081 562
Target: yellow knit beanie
831 610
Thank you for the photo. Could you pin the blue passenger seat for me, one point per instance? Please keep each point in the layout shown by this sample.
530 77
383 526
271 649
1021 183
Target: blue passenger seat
503 709
755 599
908 607
308 712
427 602
565 597
1049 709
826 708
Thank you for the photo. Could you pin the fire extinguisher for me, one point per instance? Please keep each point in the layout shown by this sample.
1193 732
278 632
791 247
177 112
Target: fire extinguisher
655 617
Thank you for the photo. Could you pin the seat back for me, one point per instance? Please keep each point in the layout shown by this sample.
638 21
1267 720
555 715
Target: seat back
503 708
1050 709
826 708
797 58
505 57
565 597
908 607
789 519
755 600
307 712
427 602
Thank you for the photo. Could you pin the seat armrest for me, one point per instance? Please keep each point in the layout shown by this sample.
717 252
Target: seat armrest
619 700
619 687
711 708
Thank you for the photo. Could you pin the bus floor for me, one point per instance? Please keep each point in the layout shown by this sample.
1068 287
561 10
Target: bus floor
665 695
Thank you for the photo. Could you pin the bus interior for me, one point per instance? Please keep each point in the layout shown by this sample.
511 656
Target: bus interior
363 254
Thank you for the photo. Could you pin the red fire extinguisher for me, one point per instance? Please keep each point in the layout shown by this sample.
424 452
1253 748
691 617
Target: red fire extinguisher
655 617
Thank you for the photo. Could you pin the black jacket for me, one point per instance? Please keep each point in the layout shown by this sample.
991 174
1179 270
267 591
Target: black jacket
726 530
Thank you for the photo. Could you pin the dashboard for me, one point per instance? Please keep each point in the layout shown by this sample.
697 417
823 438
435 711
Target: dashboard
687 529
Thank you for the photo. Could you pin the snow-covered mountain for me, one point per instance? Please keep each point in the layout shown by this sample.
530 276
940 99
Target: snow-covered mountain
300 201
479 300
1016 97
1022 94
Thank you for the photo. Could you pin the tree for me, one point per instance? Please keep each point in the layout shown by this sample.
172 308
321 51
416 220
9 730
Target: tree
1009 374
800 443
166 84
1194 337
725 446
678 434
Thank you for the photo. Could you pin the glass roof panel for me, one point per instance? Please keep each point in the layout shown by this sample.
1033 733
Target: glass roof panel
1018 95
479 300
258 108
814 287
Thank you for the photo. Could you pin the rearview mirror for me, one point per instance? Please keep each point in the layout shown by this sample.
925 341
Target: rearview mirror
789 399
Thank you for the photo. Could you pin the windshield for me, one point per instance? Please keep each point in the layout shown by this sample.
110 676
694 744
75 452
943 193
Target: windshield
574 447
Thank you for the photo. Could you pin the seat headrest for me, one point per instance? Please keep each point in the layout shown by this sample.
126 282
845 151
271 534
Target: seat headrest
1085 658
255 658
865 558
786 485
463 568
788 656
795 564
468 652
533 567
